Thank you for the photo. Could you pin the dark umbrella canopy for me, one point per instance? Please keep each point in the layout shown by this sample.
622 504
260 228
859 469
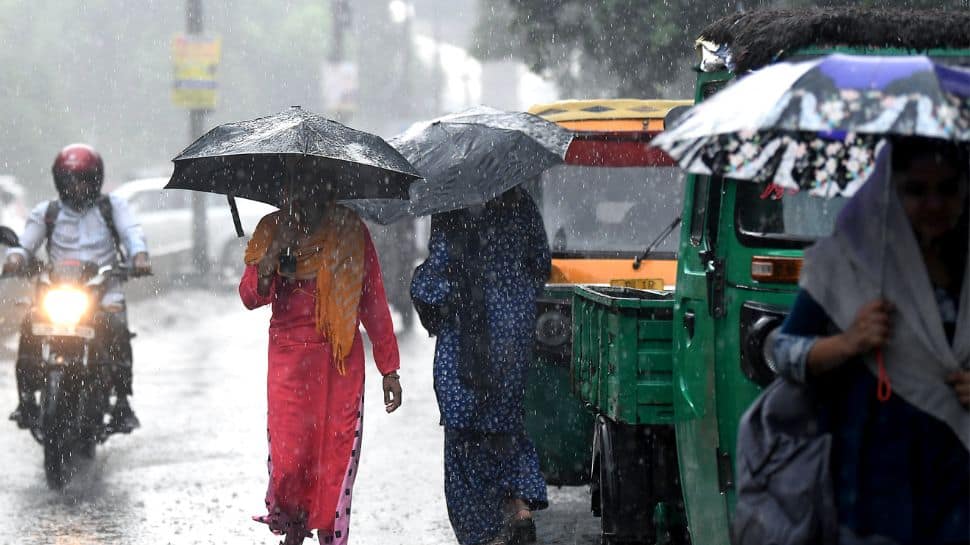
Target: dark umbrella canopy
247 159
466 164
469 158
380 211
551 136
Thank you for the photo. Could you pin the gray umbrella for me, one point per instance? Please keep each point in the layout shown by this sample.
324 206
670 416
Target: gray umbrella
469 158
247 159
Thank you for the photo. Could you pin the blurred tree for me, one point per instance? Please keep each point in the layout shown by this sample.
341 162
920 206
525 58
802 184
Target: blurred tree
396 85
617 47
607 48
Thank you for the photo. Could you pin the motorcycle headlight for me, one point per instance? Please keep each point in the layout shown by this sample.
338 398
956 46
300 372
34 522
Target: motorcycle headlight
65 305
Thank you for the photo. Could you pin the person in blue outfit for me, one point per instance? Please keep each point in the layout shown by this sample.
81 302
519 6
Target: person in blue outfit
477 293
882 338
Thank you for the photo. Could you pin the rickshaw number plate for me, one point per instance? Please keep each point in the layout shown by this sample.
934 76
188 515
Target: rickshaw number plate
639 283
63 330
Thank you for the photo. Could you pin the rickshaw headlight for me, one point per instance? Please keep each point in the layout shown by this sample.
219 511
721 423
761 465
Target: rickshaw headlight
758 323
553 328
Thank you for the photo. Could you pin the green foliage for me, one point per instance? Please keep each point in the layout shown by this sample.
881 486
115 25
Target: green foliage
610 48
635 48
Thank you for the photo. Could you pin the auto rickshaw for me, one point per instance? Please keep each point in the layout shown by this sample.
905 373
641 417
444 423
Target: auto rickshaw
610 213
669 373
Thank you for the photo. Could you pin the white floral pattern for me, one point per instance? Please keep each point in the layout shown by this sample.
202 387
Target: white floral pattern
815 125
789 160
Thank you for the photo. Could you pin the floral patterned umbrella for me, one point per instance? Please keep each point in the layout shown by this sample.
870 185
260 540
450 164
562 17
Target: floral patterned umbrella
815 125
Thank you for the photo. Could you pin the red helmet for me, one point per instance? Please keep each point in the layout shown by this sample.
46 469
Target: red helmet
78 175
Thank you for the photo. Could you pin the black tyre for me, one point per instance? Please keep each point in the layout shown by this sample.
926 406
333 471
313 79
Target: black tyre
595 498
637 473
626 508
56 432
56 461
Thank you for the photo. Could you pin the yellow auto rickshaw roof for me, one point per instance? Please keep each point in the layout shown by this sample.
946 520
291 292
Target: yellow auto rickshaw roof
608 114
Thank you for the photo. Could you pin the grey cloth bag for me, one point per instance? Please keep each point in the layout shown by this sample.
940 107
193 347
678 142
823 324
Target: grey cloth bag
784 482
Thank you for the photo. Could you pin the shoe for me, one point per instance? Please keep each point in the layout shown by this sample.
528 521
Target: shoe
123 419
501 539
25 415
523 531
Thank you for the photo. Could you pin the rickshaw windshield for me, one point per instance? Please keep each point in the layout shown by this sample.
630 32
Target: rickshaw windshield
608 211
766 218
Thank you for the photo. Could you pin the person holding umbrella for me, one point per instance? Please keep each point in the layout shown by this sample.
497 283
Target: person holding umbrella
901 427
315 263
488 262
316 370
485 268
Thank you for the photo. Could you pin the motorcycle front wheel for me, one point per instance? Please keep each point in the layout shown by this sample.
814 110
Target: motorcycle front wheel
56 428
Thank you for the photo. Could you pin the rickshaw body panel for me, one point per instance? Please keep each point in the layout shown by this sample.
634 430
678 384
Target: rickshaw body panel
612 133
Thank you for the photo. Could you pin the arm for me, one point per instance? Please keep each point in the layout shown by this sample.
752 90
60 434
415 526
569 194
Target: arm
374 313
792 342
803 347
431 288
129 229
431 284
34 234
542 264
869 331
249 288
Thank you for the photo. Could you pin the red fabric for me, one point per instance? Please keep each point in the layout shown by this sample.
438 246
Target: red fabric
313 410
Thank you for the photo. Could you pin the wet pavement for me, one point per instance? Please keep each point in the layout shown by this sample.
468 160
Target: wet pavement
195 472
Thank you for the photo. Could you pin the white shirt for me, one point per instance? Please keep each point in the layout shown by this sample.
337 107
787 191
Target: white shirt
83 235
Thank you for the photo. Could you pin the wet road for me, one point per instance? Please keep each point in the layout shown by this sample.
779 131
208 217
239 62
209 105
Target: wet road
195 472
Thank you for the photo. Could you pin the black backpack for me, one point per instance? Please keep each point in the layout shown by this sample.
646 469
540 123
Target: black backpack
103 202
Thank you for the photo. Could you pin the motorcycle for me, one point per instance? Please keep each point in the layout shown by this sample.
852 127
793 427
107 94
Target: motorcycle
68 322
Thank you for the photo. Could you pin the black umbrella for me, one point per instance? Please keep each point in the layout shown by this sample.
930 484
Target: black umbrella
248 159
470 158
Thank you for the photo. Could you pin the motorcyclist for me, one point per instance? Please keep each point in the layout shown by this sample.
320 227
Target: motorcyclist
87 226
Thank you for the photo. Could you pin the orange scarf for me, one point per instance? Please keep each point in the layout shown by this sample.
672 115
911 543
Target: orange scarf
335 255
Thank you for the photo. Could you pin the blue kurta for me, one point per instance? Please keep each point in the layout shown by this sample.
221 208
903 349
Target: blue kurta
514 260
897 471
488 458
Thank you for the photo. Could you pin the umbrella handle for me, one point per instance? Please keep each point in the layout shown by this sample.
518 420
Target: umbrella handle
884 386
235 216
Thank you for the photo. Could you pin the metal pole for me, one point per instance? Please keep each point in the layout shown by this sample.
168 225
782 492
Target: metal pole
340 17
437 74
200 238
340 20
407 48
